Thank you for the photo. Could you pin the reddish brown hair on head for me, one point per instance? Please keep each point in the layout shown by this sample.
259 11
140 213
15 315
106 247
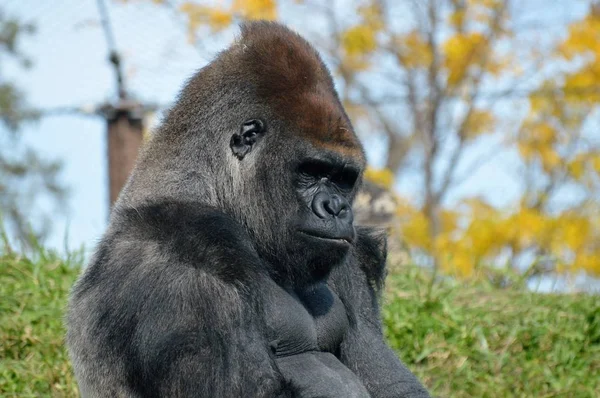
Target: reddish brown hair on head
280 60
287 73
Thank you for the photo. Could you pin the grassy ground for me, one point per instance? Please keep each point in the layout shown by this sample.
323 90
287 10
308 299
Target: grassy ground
461 340
475 341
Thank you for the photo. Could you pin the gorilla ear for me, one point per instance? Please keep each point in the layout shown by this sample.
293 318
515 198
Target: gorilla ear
250 133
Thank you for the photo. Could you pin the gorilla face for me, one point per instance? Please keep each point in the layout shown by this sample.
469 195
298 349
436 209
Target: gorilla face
324 186
304 192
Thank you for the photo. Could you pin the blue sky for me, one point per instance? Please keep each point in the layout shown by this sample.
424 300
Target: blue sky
71 69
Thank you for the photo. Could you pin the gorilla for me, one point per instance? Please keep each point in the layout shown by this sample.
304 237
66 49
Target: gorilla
231 266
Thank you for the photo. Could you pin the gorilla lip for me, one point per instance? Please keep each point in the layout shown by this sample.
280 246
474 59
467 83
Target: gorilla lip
337 239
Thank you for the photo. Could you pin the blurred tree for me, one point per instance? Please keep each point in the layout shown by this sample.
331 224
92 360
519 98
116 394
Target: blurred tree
24 175
437 80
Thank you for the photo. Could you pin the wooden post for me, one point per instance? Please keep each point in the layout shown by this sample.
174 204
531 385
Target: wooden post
124 139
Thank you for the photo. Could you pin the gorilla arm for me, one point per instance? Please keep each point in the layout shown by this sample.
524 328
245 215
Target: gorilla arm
298 342
169 308
363 350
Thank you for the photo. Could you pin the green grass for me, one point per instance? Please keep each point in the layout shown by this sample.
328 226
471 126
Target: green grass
461 340
477 341
33 294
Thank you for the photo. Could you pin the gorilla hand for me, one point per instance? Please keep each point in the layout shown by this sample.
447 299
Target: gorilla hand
305 328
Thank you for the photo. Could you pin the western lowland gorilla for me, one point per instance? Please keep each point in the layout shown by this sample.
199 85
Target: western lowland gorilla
231 266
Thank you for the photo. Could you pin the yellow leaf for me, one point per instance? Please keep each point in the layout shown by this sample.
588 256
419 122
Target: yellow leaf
584 36
526 150
543 133
355 63
256 9
372 16
381 177
359 40
461 51
530 224
414 227
448 221
582 86
573 231
589 262
479 122
550 158
457 262
576 168
457 18
596 163
413 51
217 19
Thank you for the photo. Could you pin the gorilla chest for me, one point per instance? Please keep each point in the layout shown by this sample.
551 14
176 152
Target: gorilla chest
313 319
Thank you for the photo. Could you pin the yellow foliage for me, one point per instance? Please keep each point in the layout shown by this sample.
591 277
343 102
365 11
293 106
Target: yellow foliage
256 9
526 150
413 50
584 36
583 40
537 141
355 63
457 18
572 232
542 133
484 232
372 16
483 236
589 262
530 225
481 10
456 262
359 40
448 221
582 86
484 3
479 122
462 264
576 167
414 226
542 102
461 51
595 161
550 158
217 19
381 177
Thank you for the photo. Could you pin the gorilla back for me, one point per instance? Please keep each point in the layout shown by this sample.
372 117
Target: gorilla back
231 266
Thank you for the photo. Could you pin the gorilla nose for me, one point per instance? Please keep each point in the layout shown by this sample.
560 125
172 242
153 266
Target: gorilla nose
325 205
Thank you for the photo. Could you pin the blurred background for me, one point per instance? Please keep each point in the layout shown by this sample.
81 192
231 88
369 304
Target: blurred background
482 127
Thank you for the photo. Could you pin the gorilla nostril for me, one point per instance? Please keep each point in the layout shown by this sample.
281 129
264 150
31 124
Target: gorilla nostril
330 207
336 205
320 205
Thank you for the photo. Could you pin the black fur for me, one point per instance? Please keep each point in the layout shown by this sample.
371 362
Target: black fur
231 267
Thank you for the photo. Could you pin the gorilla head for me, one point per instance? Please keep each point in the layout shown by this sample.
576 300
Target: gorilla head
283 159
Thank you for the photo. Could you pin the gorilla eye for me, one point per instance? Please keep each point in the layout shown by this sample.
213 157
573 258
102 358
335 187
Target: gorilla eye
346 178
316 169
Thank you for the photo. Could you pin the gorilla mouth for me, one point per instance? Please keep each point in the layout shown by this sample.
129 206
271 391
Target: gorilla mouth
345 240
